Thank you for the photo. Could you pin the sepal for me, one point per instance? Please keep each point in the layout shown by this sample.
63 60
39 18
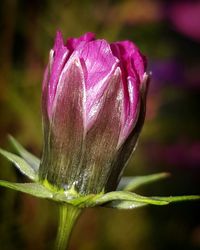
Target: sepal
139 201
27 156
115 199
121 196
123 199
132 183
34 189
21 164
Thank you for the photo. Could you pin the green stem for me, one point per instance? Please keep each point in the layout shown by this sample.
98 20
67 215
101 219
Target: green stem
68 216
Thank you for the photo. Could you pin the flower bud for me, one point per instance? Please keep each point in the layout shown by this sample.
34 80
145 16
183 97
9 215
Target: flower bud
93 105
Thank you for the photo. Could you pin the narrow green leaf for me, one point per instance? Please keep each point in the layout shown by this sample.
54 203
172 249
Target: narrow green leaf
34 189
118 199
172 199
131 183
27 156
21 164
134 204
125 196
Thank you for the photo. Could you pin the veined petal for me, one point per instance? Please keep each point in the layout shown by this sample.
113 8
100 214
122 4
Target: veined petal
130 117
66 130
94 96
99 150
131 58
58 57
98 63
98 59
133 64
126 150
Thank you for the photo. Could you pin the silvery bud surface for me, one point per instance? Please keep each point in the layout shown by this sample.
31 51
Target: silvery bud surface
93 105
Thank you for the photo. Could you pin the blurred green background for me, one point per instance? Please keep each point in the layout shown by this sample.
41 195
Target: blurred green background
168 33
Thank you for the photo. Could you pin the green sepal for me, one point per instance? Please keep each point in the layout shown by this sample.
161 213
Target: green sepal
126 196
34 189
21 164
132 183
167 200
31 159
124 199
181 198
115 199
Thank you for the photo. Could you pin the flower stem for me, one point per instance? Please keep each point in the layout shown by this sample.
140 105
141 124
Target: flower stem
68 216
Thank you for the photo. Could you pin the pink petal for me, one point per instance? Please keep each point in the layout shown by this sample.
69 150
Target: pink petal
94 97
133 65
67 125
98 59
73 43
58 57
126 149
130 115
132 61
68 106
99 150
98 63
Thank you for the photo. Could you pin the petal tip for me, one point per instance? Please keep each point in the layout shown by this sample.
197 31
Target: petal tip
89 36
58 40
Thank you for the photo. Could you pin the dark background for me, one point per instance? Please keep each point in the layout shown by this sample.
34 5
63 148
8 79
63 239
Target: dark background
168 33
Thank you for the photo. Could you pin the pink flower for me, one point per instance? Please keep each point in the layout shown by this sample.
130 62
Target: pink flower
93 103
185 15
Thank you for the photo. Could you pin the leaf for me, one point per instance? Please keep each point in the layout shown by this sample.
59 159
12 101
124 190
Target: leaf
27 156
131 183
125 196
117 199
135 204
21 164
172 199
34 189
